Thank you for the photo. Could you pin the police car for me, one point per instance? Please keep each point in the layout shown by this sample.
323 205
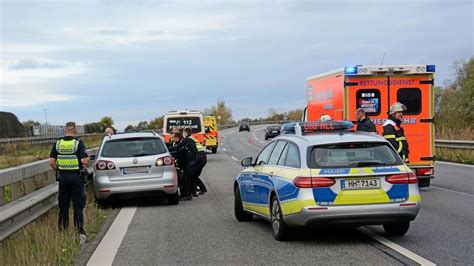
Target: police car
327 174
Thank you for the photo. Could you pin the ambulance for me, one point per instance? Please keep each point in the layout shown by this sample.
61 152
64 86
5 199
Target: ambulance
212 134
340 92
183 119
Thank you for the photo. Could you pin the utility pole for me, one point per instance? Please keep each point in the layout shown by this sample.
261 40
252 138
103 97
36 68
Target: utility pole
45 116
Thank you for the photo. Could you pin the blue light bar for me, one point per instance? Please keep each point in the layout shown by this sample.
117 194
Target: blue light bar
320 126
430 68
350 70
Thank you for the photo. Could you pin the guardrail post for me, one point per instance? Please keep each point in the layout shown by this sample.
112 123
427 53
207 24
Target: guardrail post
2 196
29 185
16 190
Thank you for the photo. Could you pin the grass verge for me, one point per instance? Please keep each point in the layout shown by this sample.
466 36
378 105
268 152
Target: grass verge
465 156
40 243
18 154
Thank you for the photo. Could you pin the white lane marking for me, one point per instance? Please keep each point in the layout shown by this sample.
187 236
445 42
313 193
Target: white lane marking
454 191
261 141
455 164
224 149
235 159
105 253
403 251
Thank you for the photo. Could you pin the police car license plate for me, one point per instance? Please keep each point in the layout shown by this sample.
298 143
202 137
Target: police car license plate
135 170
352 184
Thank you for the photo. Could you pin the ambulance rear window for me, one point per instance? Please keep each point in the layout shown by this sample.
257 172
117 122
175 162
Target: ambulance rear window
411 98
369 100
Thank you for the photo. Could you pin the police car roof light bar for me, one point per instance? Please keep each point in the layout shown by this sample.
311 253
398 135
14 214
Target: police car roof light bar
305 128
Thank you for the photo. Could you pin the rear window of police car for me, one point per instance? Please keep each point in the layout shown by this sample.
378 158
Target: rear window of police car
350 155
133 147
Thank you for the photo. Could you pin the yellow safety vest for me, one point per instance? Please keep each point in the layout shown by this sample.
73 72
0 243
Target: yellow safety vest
199 146
67 159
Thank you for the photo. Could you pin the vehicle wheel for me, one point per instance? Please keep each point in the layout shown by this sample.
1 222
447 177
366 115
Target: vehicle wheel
424 182
396 229
102 203
280 229
214 150
173 199
240 214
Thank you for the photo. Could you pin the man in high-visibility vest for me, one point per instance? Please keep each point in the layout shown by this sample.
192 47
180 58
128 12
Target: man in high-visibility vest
393 131
68 156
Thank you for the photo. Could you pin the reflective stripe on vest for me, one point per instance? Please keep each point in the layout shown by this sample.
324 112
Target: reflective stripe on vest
67 158
199 146
389 136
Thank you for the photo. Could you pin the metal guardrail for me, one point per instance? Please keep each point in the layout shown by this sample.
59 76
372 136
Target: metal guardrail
38 140
455 144
33 189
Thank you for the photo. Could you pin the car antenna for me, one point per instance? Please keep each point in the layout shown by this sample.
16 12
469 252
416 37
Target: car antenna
383 58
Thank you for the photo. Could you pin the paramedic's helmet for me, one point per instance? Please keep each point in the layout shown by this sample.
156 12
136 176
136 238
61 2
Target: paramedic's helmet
325 118
397 107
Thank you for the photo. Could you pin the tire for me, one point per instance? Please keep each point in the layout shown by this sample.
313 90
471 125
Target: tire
424 182
214 150
102 203
396 229
173 199
279 228
240 214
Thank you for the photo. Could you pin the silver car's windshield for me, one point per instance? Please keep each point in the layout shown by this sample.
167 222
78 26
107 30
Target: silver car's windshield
347 155
133 147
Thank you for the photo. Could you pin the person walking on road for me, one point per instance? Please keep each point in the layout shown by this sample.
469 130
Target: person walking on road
363 122
393 131
69 157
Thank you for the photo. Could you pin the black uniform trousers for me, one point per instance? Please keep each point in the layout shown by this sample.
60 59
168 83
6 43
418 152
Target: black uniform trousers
71 187
195 168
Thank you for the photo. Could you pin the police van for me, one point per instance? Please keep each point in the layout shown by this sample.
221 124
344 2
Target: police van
340 92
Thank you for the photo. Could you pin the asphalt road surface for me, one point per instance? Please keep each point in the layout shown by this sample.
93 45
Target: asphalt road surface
204 231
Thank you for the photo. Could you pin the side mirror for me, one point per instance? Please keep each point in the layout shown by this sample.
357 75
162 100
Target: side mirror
92 157
247 161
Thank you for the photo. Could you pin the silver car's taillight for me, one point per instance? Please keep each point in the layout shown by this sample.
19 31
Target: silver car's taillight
104 165
168 160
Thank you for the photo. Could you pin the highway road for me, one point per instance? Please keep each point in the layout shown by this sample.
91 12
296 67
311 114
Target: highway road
204 231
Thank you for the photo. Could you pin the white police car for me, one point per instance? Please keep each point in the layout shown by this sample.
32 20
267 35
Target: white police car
327 174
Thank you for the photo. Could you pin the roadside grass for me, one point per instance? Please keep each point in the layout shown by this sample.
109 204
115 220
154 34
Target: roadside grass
40 243
17 154
451 154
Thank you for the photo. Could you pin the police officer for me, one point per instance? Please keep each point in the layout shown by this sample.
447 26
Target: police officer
172 142
363 122
325 118
393 131
181 162
69 157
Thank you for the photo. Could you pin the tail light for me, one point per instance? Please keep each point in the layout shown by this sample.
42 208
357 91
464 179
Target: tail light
309 182
104 165
424 171
168 160
409 178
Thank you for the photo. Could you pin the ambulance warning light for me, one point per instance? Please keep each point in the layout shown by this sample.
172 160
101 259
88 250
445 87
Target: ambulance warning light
350 70
430 68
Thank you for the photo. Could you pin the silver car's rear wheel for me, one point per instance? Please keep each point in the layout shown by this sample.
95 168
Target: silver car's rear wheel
280 229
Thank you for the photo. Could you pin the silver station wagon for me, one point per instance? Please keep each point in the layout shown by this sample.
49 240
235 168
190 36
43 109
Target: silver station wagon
132 165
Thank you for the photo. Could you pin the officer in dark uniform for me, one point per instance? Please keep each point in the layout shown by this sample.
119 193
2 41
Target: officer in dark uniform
181 162
69 157
363 122
393 131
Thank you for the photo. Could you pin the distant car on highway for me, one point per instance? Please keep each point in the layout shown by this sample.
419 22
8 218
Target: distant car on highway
134 164
326 174
244 126
272 131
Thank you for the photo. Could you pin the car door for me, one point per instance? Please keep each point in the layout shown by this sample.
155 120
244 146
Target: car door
264 177
249 180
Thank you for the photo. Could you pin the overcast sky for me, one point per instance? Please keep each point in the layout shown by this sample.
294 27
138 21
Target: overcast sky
134 60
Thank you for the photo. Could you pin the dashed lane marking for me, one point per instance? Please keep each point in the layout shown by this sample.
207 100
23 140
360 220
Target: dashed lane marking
405 252
235 159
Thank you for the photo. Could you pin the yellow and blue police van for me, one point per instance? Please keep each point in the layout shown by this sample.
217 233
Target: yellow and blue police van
327 174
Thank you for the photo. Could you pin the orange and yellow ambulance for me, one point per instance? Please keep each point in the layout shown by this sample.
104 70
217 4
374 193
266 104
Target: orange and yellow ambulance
340 92
212 133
